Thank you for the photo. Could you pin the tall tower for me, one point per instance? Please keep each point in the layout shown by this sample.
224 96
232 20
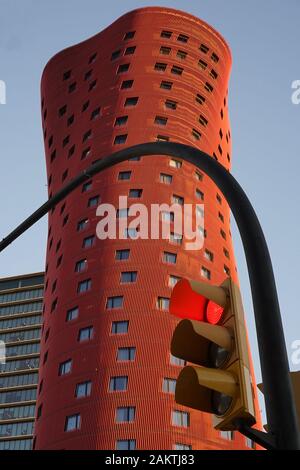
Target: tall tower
107 378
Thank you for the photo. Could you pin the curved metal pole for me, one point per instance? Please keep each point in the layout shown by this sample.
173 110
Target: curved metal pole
280 408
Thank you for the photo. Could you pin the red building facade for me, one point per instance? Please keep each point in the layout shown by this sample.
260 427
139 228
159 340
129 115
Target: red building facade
106 375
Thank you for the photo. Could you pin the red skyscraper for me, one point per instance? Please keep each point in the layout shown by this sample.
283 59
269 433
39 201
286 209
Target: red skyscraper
106 376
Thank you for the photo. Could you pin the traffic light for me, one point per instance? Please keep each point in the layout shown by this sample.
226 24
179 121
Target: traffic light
212 335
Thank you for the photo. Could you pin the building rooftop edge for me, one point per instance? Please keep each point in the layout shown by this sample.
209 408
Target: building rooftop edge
137 11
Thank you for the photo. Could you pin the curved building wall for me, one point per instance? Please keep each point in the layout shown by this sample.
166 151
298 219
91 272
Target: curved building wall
153 74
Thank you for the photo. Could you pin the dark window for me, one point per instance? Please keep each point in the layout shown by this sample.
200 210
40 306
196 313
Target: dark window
92 85
84 286
87 186
85 334
114 302
66 218
196 134
213 74
88 74
135 193
67 75
123 68
162 138
126 84
132 101
166 34
70 120
181 54
93 201
165 50
66 141
161 121
88 242
71 151
171 104
128 276
85 106
85 153
120 139
119 327
130 50
160 66
182 38
199 194
95 113
92 58
204 48
87 135
53 156
202 64
126 354
129 35
64 175
176 70
83 389
62 110
118 383
203 120
72 87
124 175
214 57
221 133
220 149
116 54
166 85
200 99
208 87
122 255
72 314
50 141
121 120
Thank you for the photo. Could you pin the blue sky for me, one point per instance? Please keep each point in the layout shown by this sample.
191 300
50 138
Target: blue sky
264 39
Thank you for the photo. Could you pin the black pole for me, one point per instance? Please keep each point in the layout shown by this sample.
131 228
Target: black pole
278 392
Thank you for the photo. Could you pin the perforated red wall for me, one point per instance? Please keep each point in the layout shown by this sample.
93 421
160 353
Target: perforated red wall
75 83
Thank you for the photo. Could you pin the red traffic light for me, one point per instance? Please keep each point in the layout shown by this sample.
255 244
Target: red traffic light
185 302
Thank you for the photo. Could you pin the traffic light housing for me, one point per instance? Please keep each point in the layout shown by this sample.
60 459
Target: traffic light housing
213 335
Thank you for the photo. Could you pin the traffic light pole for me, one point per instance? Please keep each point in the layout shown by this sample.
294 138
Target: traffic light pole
280 408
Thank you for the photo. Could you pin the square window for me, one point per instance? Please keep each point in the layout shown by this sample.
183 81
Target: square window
120 139
170 104
121 121
124 175
205 273
181 54
202 64
72 423
85 334
160 66
164 178
173 280
83 389
126 354
119 327
214 57
200 99
81 266
166 85
67 75
163 303
131 101
208 87
213 74
166 34
122 255
118 383
203 48
72 314
169 385
114 302
208 255
161 121
176 70
199 194
82 224
128 277
177 199
65 367
203 120
135 193
162 138
165 50
175 361
175 163
180 418
125 414
126 84
129 35
88 242
196 134
123 68
130 50
126 444
84 286
93 201
183 38
116 54
169 257
87 186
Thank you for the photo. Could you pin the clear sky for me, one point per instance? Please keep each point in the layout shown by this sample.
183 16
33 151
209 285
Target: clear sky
264 37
